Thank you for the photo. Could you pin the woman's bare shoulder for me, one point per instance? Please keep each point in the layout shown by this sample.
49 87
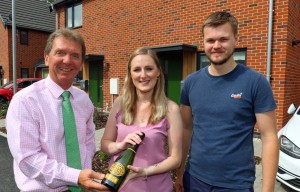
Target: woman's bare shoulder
172 106
117 104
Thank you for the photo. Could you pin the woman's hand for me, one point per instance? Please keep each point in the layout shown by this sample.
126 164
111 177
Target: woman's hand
135 172
130 139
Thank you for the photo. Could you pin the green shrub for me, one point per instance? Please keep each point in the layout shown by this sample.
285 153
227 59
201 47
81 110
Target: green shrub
103 156
3 109
100 162
100 118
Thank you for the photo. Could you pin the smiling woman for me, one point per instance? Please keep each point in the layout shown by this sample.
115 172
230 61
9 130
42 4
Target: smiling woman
144 107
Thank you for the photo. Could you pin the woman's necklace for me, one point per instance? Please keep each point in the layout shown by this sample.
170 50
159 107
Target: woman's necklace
145 118
143 115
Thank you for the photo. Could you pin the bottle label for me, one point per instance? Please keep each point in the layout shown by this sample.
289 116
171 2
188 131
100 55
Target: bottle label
117 169
132 150
111 178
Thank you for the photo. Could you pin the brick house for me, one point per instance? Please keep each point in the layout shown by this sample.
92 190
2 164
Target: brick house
113 29
34 23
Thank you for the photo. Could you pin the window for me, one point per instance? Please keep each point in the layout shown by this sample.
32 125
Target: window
23 37
74 16
24 84
78 77
239 57
45 72
24 72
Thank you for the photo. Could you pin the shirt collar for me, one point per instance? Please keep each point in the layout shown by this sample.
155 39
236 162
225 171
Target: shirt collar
55 89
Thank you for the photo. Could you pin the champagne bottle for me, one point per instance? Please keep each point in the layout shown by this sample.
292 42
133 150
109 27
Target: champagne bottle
118 170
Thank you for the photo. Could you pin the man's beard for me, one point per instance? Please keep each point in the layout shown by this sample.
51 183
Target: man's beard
221 62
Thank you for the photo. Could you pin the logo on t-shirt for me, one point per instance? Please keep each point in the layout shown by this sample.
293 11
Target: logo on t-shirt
237 95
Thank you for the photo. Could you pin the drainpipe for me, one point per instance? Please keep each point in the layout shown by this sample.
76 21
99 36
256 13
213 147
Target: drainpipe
34 72
56 20
269 40
14 46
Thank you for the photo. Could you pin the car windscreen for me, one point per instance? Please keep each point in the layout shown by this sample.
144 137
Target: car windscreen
7 85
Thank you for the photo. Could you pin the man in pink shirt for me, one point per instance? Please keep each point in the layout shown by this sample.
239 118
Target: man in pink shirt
34 120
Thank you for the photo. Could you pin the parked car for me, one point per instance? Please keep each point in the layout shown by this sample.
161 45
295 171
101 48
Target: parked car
7 90
289 156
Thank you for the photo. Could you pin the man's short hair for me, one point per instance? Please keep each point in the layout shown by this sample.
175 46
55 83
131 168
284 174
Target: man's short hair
219 18
69 34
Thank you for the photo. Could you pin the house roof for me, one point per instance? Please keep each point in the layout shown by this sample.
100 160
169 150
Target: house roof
40 63
175 47
30 14
60 3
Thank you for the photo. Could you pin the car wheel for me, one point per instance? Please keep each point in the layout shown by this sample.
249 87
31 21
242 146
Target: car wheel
2 100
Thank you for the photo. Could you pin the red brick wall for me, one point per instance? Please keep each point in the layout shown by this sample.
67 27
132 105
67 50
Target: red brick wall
31 53
116 29
4 57
26 55
279 50
292 62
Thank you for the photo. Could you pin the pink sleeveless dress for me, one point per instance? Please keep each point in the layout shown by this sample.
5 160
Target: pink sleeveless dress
150 152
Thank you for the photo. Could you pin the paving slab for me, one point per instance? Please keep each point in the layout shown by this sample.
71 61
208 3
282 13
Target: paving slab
258 181
98 136
2 122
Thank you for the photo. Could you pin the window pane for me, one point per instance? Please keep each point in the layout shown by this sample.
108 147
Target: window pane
69 17
240 57
24 84
24 72
78 77
23 37
204 61
45 72
78 15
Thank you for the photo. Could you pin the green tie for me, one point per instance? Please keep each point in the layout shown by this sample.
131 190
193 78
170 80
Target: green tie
72 147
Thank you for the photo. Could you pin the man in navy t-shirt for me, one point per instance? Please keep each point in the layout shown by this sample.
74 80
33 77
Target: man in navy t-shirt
220 106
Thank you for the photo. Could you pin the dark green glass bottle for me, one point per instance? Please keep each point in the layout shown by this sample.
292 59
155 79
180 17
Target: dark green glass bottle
118 170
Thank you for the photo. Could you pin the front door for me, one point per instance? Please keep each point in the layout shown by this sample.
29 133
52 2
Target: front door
172 67
96 82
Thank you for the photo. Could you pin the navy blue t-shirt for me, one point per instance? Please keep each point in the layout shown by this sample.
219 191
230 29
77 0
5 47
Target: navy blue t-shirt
223 109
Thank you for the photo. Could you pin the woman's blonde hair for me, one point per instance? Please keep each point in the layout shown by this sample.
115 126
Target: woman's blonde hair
129 95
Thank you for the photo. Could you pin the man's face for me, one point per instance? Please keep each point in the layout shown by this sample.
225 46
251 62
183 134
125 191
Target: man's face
64 61
219 43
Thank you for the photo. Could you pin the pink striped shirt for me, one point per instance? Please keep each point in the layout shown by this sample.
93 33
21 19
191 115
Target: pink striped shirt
35 135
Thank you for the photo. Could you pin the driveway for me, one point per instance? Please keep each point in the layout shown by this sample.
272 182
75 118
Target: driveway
7 176
258 182
6 168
